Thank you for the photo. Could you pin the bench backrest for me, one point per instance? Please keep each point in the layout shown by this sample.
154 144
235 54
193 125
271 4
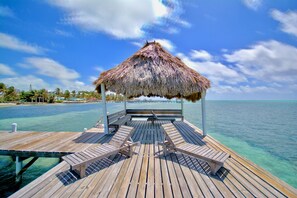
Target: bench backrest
121 136
172 134
115 116
156 111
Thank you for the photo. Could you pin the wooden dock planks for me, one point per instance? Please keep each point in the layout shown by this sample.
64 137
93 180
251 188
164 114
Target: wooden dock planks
46 144
176 175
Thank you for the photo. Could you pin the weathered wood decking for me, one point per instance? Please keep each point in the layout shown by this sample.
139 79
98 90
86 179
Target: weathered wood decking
47 144
145 175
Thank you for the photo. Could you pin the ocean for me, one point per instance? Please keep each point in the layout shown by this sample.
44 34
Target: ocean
264 132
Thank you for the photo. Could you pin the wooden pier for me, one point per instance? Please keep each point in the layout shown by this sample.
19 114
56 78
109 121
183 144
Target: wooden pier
144 174
47 144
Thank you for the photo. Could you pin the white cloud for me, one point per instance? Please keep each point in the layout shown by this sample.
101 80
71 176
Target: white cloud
23 82
215 71
183 23
76 85
115 17
165 43
253 4
258 89
51 68
13 43
137 43
6 70
172 30
269 61
201 55
222 89
168 45
6 12
243 89
288 21
63 33
99 69
93 78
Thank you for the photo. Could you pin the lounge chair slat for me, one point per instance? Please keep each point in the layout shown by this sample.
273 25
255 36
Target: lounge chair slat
199 149
226 156
210 154
70 160
217 155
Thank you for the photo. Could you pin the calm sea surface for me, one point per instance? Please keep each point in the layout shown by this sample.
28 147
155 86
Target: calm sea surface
265 132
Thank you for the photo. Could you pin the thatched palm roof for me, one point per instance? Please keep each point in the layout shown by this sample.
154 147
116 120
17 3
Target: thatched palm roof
152 71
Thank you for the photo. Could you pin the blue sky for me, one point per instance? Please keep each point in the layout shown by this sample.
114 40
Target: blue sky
247 48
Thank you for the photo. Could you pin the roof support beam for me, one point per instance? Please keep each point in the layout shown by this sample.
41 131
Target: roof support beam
203 94
104 109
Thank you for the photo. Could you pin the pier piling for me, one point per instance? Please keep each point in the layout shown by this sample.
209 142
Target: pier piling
18 168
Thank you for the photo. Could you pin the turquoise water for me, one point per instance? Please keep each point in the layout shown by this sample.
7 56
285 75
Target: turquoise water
265 132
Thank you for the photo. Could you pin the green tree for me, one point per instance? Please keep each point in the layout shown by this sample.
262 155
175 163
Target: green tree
10 94
73 93
51 98
26 96
2 88
35 96
58 91
67 94
43 94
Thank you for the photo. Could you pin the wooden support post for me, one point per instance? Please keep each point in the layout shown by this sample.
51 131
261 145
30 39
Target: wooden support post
203 112
27 165
130 151
82 170
106 129
18 168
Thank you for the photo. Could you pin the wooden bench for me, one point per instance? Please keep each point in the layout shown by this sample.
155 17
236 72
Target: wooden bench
118 119
158 114
155 118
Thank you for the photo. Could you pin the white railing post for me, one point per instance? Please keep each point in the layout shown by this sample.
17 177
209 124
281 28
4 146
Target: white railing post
182 106
106 130
14 127
125 103
203 112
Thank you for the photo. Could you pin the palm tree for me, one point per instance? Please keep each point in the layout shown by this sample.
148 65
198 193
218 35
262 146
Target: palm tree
58 91
67 94
36 95
73 93
43 94
10 94
2 88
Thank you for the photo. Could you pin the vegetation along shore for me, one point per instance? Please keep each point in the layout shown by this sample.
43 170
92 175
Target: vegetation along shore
9 95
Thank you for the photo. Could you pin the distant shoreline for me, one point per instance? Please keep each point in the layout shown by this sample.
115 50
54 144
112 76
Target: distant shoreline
9 104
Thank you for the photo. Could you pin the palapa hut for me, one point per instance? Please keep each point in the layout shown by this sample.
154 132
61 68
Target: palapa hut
152 71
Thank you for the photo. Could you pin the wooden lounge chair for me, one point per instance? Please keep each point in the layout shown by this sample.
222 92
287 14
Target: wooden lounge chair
175 142
119 143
